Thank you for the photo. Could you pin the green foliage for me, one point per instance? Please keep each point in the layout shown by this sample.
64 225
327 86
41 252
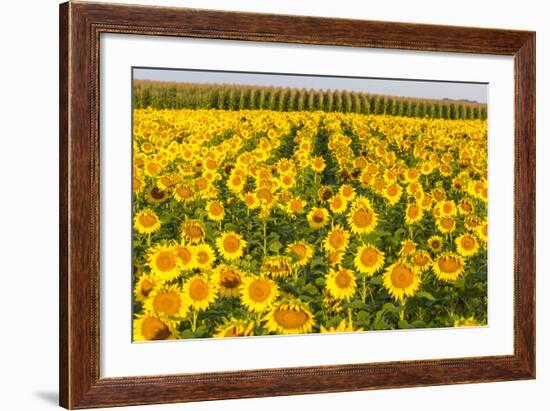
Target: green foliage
164 95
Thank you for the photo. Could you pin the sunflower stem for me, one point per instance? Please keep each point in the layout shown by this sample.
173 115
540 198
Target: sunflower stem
350 316
194 323
258 319
265 238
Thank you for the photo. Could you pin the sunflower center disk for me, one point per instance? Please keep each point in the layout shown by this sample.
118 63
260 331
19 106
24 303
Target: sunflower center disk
259 290
184 255
290 319
401 277
467 243
167 303
154 329
198 290
448 265
343 279
369 257
362 218
231 244
230 280
337 239
166 262
147 220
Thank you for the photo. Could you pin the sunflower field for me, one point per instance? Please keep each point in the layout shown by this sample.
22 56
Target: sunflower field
261 222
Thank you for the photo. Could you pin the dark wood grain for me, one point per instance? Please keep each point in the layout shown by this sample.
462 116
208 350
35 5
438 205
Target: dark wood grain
63 205
80 27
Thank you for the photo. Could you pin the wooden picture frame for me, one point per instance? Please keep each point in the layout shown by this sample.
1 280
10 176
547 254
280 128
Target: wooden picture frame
80 27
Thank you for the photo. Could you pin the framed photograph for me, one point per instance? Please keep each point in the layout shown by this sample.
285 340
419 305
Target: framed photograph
259 205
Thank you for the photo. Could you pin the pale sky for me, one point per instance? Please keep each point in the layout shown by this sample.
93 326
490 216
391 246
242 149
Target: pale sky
423 88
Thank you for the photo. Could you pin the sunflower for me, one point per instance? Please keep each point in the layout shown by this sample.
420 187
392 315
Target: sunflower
215 210
366 178
318 217
204 256
426 202
186 255
203 185
407 247
447 208
342 327
146 222
265 197
300 253
471 223
482 231
163 262
295 206
435 243
236 182
156 195
287 181
411 175
467 322
347 191
251 201
467 245
150 326
200 292
392 193
446 224
341 283
137 184
231 245
401 280
318 164
362 219
276 266
334 258
292 317
413 214
234 328
426 168
147 147
144 286
168 301
337 239
184 193
338 204
421 260
193 231
369 259
466 207
258 294
324 193
415 189
448 266
439 194
229 280
390 176
152 168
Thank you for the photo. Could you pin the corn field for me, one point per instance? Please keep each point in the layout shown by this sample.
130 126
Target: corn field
165 95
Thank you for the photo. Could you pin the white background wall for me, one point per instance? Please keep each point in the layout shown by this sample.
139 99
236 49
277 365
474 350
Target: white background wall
29 216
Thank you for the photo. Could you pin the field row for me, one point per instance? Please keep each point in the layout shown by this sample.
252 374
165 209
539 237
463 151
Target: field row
161 95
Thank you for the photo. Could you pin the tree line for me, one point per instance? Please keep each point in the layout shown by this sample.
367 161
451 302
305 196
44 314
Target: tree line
168 95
